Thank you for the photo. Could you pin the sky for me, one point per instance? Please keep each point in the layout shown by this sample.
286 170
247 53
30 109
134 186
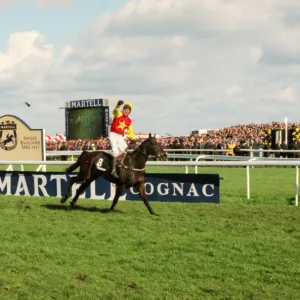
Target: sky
183 64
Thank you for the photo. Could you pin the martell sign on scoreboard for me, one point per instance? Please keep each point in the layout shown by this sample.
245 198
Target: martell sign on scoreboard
87 119
87 103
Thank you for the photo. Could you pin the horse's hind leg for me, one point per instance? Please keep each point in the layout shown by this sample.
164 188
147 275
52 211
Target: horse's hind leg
82 187
142 191
119 190
72 181
84 174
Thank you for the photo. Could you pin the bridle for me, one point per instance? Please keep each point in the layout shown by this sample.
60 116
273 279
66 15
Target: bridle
139 150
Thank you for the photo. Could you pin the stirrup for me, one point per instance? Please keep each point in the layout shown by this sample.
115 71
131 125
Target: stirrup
122 159
114 173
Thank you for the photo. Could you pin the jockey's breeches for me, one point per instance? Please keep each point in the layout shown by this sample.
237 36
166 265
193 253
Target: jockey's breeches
118 145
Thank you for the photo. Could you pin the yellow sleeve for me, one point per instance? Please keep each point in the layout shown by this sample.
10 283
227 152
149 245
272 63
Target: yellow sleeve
116 112
130 132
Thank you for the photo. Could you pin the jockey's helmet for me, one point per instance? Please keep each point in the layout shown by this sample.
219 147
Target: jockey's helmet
128 106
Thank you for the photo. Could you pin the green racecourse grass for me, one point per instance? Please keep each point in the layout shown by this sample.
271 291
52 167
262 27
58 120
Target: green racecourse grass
238 249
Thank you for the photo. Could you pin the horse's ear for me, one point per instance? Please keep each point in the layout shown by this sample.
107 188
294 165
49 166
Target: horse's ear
149 135
155 135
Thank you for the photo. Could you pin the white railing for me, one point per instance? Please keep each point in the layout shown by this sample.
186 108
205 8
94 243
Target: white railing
186 152
247 164
78 152
189 152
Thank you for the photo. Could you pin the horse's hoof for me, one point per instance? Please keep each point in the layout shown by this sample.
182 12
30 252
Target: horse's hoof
154 214
63 200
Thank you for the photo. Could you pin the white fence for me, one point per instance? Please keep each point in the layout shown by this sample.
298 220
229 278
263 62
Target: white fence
186 153
247 164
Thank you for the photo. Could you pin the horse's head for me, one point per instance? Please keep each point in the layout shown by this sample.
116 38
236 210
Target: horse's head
154 148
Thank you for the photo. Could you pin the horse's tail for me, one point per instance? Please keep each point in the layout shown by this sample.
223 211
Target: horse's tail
74 166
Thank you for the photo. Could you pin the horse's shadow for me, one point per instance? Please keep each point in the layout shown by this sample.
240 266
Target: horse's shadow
80 208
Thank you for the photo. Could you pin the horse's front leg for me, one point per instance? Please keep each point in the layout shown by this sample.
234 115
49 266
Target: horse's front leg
120 188
142 192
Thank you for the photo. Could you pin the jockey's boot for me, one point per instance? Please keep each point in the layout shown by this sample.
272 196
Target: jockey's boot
116 161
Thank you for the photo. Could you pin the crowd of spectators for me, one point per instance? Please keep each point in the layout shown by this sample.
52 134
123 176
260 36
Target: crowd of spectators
230 139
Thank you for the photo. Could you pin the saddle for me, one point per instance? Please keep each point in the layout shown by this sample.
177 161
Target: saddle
118 162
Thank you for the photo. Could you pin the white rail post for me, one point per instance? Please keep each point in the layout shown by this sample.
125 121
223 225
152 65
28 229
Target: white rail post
186 170
248 182
251 152
10 168
297 185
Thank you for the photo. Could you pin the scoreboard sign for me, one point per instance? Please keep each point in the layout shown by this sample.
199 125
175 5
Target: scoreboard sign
87 119
87 103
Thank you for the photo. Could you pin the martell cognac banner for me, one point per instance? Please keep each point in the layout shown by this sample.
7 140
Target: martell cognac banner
190 188
18 141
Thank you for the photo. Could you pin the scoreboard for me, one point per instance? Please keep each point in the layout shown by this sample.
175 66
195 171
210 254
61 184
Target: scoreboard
87 119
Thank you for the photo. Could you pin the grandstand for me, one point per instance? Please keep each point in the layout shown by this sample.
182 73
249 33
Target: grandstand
231 140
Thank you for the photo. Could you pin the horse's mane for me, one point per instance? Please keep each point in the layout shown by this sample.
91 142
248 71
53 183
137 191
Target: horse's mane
142 147
144 143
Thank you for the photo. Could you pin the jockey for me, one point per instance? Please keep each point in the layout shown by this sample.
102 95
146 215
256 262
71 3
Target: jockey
120 123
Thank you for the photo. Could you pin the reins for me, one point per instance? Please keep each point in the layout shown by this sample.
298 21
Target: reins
134 169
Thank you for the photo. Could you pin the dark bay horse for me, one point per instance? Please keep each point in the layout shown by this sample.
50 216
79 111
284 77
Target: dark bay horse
131 170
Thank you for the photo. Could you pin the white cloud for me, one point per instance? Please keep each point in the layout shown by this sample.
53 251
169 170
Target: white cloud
43 3
233 90
25 61
184 64
287 95
54 3
2 2
5 2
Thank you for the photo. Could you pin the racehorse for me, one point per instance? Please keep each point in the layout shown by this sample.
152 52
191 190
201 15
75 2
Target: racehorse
131 170
9 138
